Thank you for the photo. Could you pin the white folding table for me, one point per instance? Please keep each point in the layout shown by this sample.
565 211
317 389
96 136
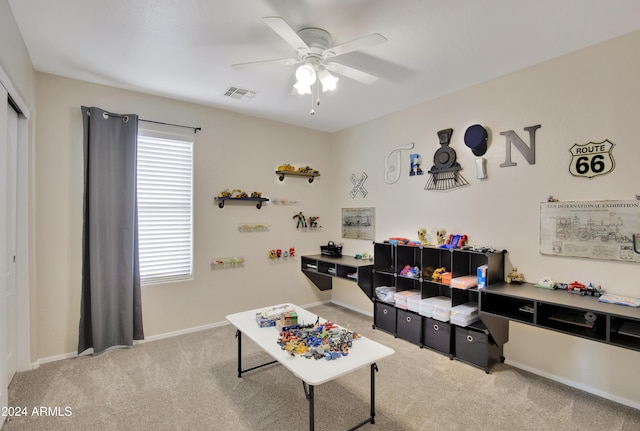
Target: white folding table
312 372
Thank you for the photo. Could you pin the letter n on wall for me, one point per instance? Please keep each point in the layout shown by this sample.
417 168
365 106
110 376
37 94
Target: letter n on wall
529 152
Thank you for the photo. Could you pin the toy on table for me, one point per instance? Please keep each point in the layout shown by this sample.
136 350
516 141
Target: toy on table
581 289
363 256
317 341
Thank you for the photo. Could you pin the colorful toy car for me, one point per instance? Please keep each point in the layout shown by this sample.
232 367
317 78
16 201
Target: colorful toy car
286 167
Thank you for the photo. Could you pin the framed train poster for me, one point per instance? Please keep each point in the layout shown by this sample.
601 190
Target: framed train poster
358 223
606 230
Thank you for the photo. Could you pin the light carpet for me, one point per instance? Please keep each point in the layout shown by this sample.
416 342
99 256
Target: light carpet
190 382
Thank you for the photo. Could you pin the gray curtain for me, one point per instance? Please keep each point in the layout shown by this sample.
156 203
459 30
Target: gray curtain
111 309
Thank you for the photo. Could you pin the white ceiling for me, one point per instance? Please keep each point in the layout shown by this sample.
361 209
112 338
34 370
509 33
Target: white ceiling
183 49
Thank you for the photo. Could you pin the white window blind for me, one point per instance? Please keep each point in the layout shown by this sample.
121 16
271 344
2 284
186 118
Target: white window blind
165 213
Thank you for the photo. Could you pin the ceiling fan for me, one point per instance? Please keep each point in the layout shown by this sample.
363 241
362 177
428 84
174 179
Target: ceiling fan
313 48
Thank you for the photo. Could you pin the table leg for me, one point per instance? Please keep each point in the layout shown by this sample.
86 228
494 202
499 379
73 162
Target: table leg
372 417
374 369
239 337
240 370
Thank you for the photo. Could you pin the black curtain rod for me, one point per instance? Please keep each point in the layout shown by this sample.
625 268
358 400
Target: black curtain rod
195 129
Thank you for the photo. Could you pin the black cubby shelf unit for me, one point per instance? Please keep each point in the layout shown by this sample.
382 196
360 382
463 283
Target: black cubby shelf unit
321 269
474 344
561 311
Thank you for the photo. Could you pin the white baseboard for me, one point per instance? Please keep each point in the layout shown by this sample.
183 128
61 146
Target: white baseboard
352 308
577 385
70 355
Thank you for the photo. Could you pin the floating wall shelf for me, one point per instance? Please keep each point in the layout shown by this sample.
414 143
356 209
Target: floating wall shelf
221 200
310 175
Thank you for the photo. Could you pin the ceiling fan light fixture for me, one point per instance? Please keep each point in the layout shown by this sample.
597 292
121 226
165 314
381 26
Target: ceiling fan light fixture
306 75
327 80
301 88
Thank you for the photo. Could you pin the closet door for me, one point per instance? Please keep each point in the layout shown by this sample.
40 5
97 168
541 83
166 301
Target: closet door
8 196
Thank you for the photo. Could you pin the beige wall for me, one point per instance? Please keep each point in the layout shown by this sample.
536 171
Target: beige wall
591 95
231 151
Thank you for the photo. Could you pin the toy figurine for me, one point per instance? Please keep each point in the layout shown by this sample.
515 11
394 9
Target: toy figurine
441 236
422 236
437 274
313 222
302 220
514 277
292 251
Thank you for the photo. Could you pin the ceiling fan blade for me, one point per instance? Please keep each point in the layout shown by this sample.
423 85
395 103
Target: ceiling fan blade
286 32
265 63
350 72
355 45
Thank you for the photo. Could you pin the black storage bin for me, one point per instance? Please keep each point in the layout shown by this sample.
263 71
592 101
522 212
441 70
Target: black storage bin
437 335
409 326
477 348
385 317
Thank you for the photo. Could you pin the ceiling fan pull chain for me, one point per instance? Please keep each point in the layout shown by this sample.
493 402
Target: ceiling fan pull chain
312 111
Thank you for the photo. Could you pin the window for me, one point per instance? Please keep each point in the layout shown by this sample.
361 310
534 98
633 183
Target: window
165 208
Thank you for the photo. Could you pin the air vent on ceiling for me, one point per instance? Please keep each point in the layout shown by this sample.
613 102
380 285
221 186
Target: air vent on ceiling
239 93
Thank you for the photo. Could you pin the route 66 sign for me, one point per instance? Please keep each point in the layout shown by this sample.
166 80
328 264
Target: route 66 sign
591 159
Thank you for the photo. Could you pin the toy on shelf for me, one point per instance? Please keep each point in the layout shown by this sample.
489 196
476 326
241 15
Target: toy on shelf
284 201
402 241
410 271
227 262
422 236
455 241
437 273
441 236
286 167
278 253
239 195
253 227
304 171
514 277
